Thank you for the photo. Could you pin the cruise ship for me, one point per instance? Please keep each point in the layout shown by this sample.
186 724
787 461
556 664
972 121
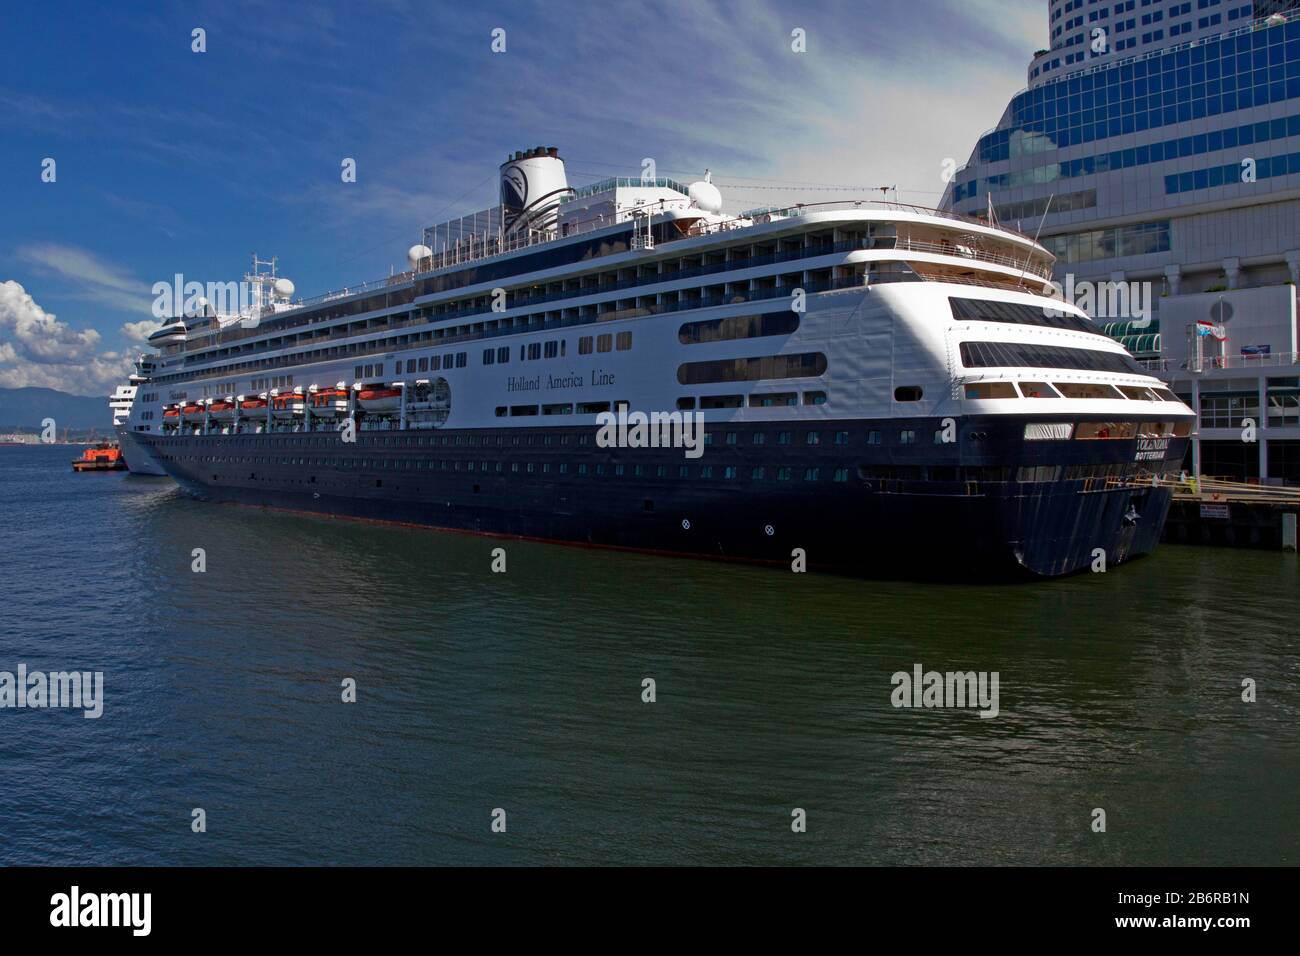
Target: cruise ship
137 459
881 389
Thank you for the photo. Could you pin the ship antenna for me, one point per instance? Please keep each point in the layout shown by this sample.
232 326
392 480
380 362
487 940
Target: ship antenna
1037 232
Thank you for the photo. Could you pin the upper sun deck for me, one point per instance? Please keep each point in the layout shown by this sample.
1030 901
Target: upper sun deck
929 244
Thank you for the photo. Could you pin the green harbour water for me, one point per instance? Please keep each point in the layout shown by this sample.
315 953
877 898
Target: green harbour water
524 691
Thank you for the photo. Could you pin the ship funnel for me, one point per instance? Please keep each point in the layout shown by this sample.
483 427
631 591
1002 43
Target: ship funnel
532 185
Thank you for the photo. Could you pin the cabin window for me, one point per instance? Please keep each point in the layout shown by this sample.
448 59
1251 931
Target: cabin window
773 399
738 327
1139 393
624 341
977 390
604 342
1037 390
1101 431
584 345
800 365
907 393
1087 390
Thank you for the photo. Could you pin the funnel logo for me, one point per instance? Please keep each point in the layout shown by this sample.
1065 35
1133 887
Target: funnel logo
514 188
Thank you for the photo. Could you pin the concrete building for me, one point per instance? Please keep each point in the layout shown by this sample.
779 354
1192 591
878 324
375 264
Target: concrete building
1158 145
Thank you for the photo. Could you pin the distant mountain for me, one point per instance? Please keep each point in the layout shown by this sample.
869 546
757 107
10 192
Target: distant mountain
27 407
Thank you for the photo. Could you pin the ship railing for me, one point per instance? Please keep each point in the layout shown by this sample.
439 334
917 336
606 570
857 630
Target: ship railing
1210 363
1025 264
833 205
789 255
1031 284
1040 271
736 298
702 302
474 249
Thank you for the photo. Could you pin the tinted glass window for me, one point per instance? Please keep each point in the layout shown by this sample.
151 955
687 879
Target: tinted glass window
1028 355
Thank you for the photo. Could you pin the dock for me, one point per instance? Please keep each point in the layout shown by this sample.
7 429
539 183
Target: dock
1233 514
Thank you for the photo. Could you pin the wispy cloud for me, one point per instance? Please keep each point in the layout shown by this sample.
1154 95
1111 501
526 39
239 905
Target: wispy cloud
88 276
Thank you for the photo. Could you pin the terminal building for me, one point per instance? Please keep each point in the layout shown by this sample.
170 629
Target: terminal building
1157 145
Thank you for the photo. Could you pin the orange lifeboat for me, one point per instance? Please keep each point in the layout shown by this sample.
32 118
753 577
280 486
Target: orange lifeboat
288 405
252 404
192 412
380 399
172 412
329 402
222 411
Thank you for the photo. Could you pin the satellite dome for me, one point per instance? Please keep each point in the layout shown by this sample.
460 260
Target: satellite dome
705 196
283 287
416 253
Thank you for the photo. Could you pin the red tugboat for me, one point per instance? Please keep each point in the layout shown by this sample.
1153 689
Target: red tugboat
103 457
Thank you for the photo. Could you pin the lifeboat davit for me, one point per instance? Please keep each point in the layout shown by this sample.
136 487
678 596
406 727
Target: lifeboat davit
193 412
222 411
380 399
329 402
288 405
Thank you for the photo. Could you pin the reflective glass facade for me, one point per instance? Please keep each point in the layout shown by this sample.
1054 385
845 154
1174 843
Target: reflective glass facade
1218 77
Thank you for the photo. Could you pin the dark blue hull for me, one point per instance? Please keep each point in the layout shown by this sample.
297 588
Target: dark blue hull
989 505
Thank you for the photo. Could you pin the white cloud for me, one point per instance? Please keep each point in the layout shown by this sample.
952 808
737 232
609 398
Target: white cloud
139 332
36 349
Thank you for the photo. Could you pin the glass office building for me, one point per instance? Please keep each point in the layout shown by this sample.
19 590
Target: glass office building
1158 144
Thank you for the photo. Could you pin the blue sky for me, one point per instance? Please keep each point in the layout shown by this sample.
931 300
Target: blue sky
174 161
